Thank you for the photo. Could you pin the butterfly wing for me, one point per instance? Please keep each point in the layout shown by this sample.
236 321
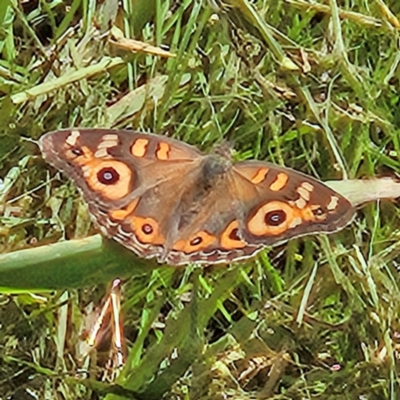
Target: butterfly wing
125 178
254 205
288 204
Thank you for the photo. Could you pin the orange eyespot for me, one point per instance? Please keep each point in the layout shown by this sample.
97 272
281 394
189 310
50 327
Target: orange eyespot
147 230
197 242
112 179
272 218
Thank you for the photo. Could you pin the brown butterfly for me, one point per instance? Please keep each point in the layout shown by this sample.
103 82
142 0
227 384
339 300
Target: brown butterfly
163 198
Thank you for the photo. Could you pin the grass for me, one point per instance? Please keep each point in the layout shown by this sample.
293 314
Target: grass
313 86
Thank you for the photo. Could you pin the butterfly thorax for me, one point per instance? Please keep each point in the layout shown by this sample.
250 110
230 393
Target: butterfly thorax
213 169
209 177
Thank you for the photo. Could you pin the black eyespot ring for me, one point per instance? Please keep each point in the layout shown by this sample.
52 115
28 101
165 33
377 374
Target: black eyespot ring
317 212
275 218
108 176
147 229
76 151
196 241
234 234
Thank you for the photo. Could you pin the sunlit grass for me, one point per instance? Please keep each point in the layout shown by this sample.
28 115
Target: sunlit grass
312 86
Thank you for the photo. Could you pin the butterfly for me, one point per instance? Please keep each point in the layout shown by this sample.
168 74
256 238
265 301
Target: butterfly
165 199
